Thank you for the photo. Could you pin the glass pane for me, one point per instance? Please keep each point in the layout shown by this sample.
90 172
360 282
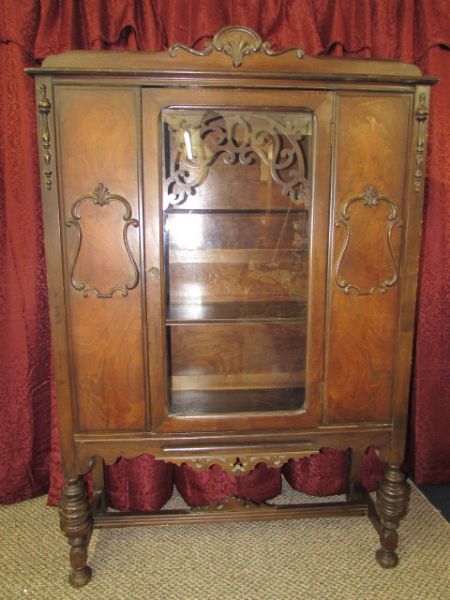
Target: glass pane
237 194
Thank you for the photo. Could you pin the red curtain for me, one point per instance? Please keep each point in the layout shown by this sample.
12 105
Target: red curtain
412 30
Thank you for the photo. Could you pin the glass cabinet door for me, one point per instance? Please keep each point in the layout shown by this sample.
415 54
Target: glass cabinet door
237 191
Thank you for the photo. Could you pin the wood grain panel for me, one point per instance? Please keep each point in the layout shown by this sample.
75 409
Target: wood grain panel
97 140
371 150
231 349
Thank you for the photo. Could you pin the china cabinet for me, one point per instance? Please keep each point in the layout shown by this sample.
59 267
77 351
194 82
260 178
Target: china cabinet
232 239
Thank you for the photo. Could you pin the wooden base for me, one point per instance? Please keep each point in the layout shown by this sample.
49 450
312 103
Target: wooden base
76 519
229 511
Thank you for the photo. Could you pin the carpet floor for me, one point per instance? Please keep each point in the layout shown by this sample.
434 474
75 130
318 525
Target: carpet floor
311 559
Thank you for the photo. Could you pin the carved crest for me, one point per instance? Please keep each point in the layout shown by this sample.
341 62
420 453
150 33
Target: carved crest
236 42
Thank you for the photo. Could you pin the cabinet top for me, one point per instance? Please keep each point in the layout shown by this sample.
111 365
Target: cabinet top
234 52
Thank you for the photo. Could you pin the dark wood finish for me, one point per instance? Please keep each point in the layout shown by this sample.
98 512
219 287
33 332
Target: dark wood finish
225 514
258 318
76 524
204 402
355 490
391 506
98 484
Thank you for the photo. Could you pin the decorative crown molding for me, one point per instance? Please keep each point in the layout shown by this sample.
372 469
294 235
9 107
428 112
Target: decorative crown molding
237 42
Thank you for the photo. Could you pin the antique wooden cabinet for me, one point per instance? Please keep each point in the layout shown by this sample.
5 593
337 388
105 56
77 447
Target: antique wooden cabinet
232 242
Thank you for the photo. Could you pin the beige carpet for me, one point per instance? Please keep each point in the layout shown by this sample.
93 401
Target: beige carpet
323 559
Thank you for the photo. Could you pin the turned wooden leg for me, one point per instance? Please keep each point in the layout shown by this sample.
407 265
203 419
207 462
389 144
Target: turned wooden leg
391 505
355 491
76 525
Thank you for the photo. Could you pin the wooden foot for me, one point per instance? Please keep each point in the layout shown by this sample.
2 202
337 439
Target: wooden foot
391 505
76 524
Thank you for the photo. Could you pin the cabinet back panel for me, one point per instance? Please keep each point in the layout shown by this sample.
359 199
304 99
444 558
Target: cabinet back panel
226 348
98 144
267 230
372 150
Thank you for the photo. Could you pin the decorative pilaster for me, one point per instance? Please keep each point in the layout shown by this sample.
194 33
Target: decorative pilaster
421 118
76 524
391 505
44 108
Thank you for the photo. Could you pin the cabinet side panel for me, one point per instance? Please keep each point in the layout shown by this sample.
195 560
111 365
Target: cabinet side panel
366 233
98 145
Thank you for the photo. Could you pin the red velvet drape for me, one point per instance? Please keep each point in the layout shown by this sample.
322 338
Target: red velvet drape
412 30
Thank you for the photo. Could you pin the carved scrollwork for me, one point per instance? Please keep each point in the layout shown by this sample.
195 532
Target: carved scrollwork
237 43
277 140
44 108
101 197
421 117
239 465
369 198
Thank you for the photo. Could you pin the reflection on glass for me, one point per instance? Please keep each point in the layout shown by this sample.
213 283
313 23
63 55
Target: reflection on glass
237 193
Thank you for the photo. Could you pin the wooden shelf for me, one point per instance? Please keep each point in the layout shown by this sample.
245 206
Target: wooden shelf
235 312
235 211
269 257
237 381
201 402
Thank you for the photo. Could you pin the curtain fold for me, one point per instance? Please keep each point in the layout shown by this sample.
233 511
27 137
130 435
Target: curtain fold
411 30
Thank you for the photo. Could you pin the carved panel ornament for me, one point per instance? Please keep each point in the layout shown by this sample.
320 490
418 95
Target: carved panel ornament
44 107
237 43
369 198
101 197
278 140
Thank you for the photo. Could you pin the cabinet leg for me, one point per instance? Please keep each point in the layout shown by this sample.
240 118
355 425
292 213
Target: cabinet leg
76 524
391 505
355 492
98 484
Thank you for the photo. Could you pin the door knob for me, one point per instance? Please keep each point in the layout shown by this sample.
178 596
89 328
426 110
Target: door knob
153 272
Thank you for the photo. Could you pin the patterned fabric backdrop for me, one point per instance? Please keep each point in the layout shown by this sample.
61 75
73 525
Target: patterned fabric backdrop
413 30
